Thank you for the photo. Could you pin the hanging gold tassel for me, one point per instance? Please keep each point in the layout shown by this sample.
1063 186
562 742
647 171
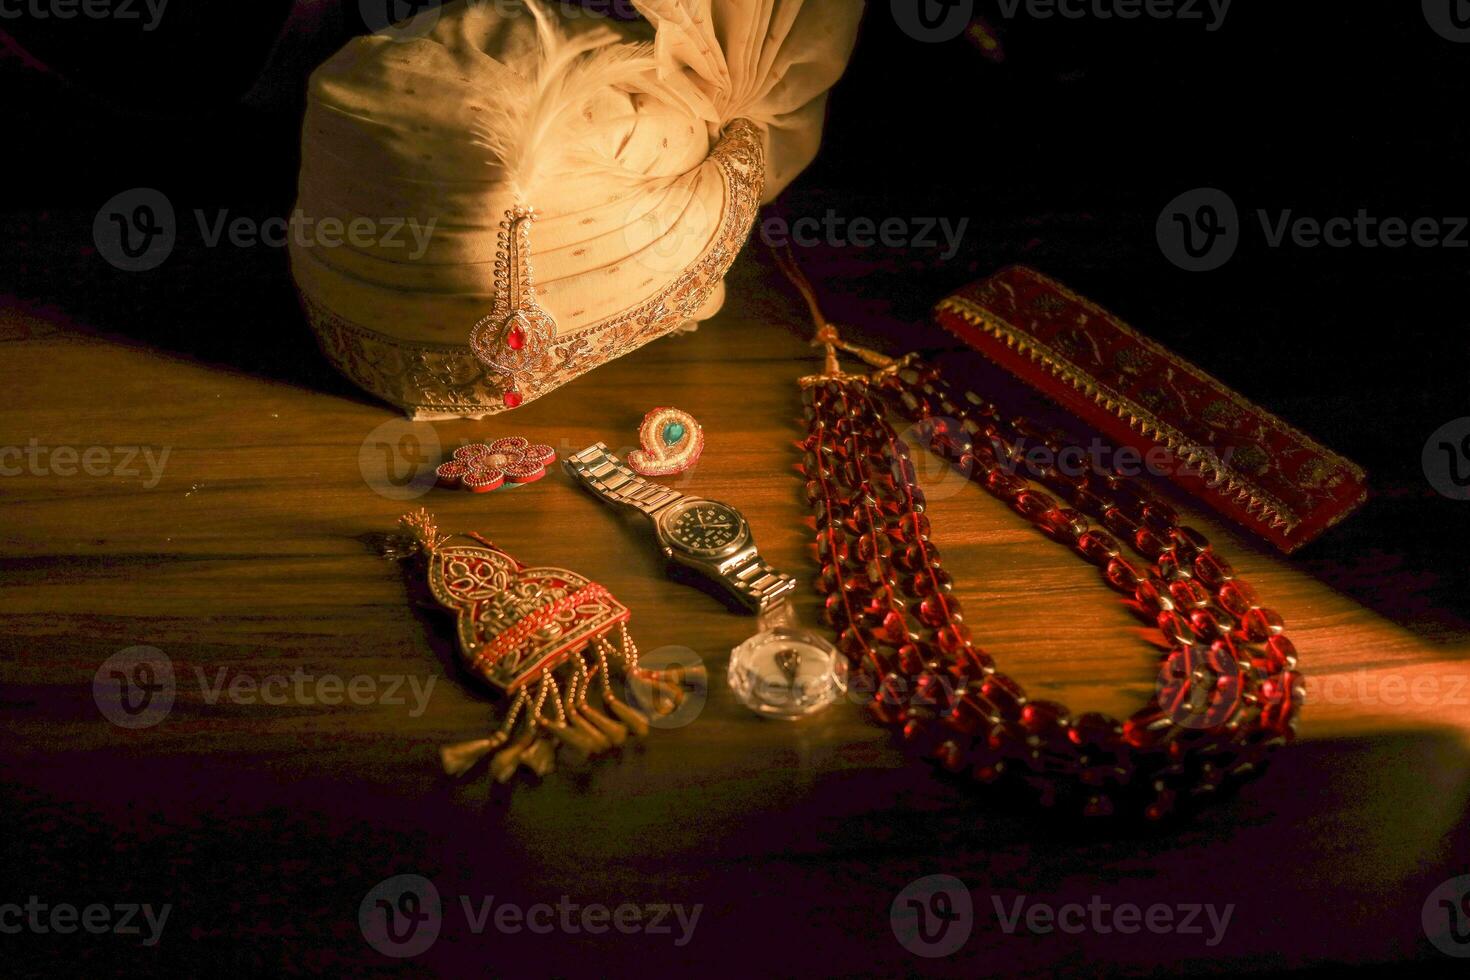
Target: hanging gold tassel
540 758
636 720
503 763
461 757
613 732
552 713
658 695
576 721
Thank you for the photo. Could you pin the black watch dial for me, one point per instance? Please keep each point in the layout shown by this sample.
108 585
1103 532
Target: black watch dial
704 528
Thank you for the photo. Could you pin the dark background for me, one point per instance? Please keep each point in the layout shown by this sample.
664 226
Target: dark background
1060 143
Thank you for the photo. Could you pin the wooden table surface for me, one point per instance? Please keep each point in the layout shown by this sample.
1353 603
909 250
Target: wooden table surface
264 825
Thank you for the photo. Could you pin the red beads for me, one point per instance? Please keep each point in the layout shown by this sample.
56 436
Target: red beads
1150 543
1282 651
1188 542
1261 624
1034 503
1189 595
1122 575
1005 694
1227 687
1004 485
1237 597
1213 570
1152 598
1176 629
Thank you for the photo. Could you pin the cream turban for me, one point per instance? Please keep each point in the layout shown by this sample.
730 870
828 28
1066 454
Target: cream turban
490 209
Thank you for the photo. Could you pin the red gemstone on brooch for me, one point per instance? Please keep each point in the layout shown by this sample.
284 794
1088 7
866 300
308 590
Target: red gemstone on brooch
516 339
511 398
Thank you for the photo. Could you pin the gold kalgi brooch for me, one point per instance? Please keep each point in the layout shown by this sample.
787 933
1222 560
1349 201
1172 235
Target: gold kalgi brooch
517 334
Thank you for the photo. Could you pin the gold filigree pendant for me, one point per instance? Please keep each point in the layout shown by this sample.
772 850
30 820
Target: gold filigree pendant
550 641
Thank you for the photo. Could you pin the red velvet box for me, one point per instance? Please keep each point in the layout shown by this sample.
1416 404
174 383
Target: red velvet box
1235 456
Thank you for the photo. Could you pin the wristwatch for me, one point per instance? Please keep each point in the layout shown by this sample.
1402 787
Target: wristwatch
707 536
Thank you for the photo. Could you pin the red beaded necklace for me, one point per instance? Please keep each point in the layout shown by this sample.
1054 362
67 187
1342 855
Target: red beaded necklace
1228 692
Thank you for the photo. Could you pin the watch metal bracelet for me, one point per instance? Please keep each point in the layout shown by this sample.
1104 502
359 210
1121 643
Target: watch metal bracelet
758 584
606 475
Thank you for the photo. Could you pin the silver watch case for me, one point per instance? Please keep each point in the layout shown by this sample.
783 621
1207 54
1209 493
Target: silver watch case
715 562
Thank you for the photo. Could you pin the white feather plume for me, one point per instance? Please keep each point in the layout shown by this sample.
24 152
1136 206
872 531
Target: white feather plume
535 133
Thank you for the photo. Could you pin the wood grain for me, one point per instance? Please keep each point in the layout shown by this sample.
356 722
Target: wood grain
265 823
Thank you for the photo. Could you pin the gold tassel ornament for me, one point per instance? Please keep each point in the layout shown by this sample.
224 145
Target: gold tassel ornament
540 636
